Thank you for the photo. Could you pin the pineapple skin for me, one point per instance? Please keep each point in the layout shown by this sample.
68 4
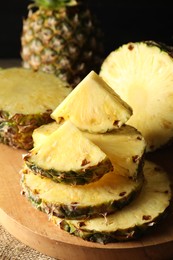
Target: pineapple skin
119 235
79 177
67 42
16 131
75 210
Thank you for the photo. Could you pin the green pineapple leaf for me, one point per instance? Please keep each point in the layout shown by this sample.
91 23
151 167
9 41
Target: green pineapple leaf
54 4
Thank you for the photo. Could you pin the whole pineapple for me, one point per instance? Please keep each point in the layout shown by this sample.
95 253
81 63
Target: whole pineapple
62 37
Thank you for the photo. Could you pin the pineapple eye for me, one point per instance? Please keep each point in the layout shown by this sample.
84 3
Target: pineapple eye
48 55
46 34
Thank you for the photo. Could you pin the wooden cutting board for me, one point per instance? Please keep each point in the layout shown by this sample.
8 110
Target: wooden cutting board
33 228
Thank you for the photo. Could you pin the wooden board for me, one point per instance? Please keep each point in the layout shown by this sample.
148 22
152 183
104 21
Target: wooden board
33 228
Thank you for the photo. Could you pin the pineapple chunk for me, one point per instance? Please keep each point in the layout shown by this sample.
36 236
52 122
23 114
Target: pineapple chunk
40 134
141 73
125 147
93 106
133 220
68 156
79 201
27 99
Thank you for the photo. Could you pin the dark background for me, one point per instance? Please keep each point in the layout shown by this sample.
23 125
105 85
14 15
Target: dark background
122 21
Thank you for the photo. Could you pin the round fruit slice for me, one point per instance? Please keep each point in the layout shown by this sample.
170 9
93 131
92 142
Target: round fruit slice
93 106
79 201
141 73
27 100
68 156
125 147
131 221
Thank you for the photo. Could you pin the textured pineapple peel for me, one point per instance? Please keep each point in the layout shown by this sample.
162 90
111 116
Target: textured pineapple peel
125 147
93 106
67 155
141 73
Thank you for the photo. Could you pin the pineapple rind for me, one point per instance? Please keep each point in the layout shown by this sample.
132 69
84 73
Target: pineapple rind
75 206
132 221
16 131
77 177
119 235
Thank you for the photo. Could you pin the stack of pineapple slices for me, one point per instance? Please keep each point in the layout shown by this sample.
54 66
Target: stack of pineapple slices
27 100
86 168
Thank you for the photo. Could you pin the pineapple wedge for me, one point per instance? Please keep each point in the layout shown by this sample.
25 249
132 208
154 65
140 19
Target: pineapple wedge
79 201
125 147
27 100
131 221
141 73
68 156
93 106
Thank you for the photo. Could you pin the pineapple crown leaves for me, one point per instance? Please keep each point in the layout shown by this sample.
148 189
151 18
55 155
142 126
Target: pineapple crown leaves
54 4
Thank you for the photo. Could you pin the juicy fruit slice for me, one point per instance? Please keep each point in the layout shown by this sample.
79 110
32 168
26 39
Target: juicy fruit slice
125 147
79 201
27 99
141 73
93 106
131 221
67 156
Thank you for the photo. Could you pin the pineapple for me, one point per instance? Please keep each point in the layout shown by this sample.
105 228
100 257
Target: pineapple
27 100
132 221
79 201
125 147
93 106
68 156
62 37
141 73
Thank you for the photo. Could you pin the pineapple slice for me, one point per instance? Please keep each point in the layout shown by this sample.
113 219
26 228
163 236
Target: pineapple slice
27 100
141 73
93 106
68 156
131 221
125 147
79 201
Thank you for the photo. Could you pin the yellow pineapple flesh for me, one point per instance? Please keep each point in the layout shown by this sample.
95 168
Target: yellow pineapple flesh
93 106
141 73
68 156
